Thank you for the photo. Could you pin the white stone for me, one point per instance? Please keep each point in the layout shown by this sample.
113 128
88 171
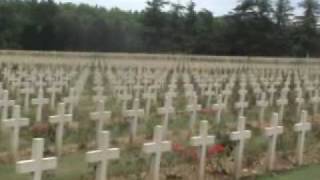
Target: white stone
60 119
100 116
272 133
15 123
103 155
157 147
40 101
302 128
203 140
240 136
37 164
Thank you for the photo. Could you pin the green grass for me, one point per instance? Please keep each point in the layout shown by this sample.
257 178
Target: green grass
307 173
66 170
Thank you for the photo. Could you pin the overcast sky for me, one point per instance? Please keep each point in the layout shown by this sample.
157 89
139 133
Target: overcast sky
218 7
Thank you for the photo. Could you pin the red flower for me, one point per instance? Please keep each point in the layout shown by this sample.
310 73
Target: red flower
191 153
206 110
177 147
215 149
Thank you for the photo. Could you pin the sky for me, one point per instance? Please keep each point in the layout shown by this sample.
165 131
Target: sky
218 7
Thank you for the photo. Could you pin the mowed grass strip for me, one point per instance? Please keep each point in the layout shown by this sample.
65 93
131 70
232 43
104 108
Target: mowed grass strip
308 173
70 167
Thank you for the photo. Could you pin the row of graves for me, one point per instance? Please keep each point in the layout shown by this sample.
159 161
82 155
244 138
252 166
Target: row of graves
131 119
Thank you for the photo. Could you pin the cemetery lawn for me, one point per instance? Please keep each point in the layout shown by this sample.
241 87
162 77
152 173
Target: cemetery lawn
308 173
70 167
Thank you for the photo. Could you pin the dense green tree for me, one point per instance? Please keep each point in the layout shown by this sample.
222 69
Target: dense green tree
254 27
154 21
282 14
308 35
190 26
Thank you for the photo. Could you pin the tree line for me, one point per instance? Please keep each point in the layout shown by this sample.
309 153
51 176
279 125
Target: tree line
252 28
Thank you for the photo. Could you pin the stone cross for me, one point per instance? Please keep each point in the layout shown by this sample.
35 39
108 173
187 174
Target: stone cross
53 90
242 105
99 95
5 103
209 93
302 128
315 100
125 97
203 140
193 108
70 100
100 117
15 123
39 101
271 92
300 101
60 119
272 133
167 110
37 164
157 147
134 114
240 135
226 93
102 156
281 102
149 97
263 104
27 91
219 107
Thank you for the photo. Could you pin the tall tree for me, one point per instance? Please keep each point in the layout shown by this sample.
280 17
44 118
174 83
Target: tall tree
282 13
309 34
190 26
175 28
154 20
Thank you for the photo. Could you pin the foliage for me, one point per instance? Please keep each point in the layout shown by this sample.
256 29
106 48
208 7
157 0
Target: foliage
254 27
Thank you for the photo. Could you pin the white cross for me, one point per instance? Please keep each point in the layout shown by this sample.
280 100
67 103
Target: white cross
300 101
315 100
37 164
125 97
53 90
203 140
27 91
40 83
134 114
193 108
226 92
39 101
157 147
5 103
302 128
16 122
149 97
241 135
99 94
263 104
282 102
100 117
241 105
209 93
71 100
272 133
219 107
60 119
167 110
271 92
103 155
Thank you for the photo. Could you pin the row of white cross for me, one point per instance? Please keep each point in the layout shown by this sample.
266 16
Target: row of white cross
38 164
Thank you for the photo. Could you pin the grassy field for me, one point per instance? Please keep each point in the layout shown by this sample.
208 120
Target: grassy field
307 173
75 163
